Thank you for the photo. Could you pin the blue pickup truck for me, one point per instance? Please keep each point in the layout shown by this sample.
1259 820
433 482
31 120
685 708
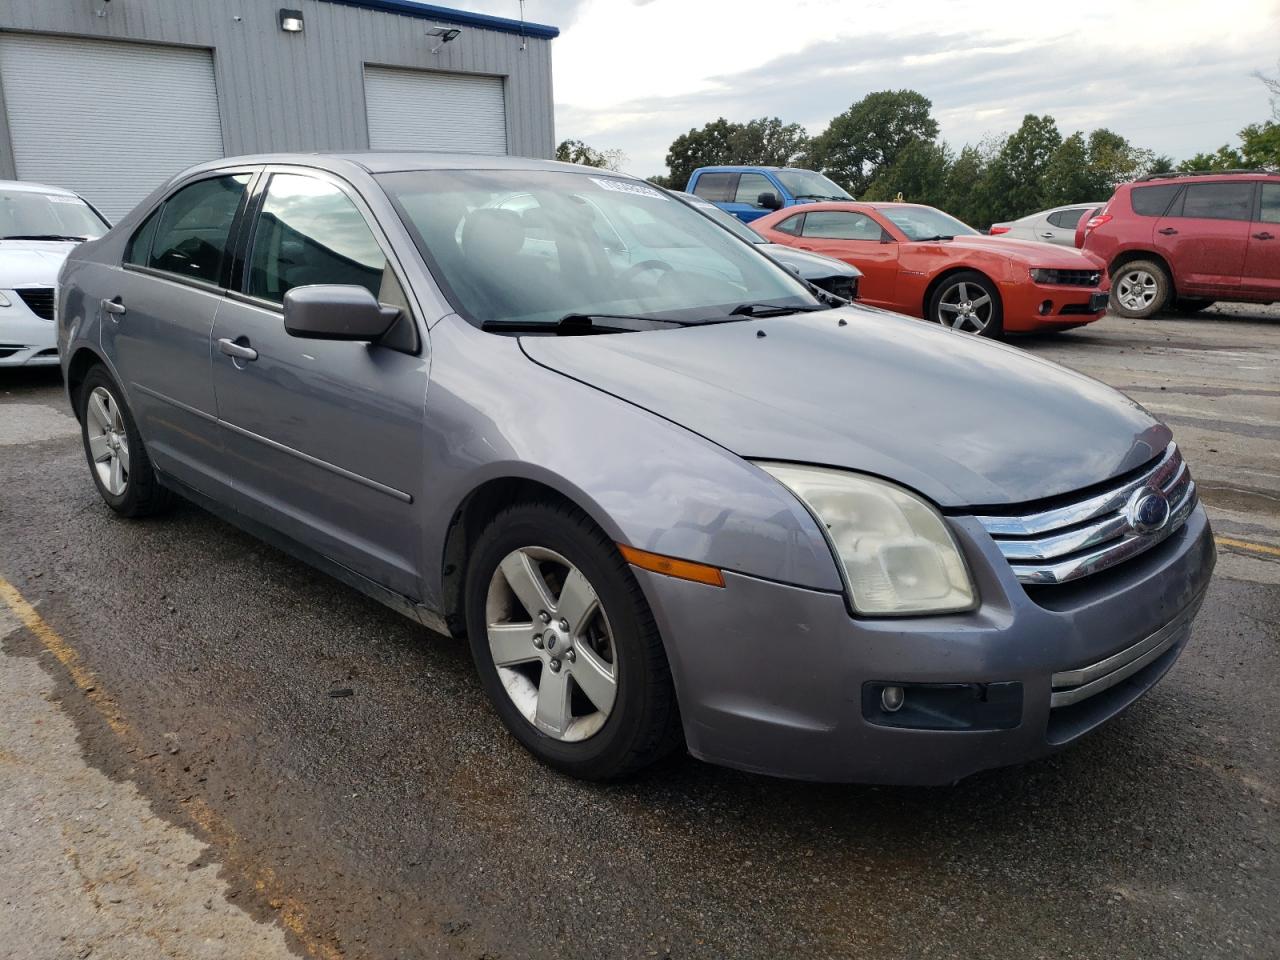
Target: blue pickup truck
750 192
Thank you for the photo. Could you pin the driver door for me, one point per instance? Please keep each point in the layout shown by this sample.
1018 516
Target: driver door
859 240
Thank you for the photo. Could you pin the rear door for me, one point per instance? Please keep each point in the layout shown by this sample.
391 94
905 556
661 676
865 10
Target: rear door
855 238
158 312
1205 237
1262 262
324 438
1059 226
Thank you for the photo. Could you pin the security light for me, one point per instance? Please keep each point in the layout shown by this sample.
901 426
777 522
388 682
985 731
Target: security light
445 34
291 21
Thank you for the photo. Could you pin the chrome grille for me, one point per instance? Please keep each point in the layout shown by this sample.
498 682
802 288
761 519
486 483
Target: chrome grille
1096 532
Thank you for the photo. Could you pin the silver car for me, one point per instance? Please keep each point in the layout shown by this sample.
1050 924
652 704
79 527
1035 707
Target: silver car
668 505
1048 226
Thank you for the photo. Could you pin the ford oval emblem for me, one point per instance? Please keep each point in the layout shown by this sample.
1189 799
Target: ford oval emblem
1148 510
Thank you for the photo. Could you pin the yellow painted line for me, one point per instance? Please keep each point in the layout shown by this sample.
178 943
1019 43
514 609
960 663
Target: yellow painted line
1261 548
293 914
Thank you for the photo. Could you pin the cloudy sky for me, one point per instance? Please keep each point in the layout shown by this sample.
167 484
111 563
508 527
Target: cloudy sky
1171 75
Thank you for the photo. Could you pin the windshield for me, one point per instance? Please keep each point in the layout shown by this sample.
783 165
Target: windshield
727 220
810 185
926 223
518 246
25 213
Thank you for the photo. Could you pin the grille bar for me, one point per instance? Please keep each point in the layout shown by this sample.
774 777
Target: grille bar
39 300
1065 543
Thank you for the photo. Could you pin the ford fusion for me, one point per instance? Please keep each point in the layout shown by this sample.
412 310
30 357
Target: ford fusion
38 226
670 498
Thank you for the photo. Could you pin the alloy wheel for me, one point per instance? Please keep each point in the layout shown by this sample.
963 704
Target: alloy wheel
108 441
1136 289
551 642
965 306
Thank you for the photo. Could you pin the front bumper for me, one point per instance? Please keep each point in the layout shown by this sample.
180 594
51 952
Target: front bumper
25 339
771 677
1033 306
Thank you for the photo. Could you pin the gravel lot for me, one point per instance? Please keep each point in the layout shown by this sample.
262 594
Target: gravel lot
197 668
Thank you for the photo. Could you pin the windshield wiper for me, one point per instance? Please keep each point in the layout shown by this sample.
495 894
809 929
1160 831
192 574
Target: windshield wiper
771 310
43 236
931 239
818 196
578 324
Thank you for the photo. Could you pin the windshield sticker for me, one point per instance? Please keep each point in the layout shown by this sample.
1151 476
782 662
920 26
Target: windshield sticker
58 198
626 186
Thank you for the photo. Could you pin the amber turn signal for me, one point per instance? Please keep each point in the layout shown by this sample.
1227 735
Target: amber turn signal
671 567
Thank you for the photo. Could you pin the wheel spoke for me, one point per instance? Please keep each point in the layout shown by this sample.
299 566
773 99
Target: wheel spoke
115 479
949 307
526 581
595 678
552 713
963 289
98 410
577 601
982 301
98 448
512 643
122 454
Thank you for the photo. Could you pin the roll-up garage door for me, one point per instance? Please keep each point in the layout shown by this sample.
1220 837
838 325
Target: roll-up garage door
451 112
109 120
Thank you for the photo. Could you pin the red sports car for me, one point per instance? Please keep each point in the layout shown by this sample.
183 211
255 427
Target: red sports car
920 261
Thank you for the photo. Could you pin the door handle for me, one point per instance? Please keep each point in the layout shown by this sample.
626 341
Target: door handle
1263 236
114 307
1047 235
237 351
1168 231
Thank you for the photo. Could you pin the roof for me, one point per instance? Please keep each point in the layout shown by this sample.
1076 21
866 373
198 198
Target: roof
25 186
430 11
1230 174
377 162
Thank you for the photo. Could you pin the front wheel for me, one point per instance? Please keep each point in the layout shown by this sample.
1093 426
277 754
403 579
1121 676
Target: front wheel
1140 289
566 646
118 462
968 302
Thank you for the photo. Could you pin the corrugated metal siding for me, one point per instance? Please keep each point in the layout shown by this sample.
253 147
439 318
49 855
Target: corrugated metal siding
305 91
107 120
451 112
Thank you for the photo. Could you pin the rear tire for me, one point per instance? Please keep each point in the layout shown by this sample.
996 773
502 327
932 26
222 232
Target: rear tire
1189 307
118 461
525 557
1140 289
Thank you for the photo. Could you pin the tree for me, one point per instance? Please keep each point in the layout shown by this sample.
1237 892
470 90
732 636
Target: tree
963 190
767 142
1014 185
1159 164
1069 177
1260 144
1225 157
918 172
869 136
575 151
700 148
1113 160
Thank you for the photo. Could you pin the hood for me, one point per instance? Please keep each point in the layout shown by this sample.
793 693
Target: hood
964 421
31 263
1032 252
810 266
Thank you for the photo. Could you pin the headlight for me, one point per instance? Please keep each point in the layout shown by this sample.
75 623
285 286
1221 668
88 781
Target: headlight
4 301
896 551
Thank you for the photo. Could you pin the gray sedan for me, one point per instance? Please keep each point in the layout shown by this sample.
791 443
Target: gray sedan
1057 225
670 505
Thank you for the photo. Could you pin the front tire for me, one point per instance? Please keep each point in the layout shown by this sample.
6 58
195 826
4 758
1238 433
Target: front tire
1140 289
565 644
968 302
118 461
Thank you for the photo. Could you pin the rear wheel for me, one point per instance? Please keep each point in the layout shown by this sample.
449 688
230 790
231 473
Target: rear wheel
1140 289
118 462
968 302
1191 306
566 646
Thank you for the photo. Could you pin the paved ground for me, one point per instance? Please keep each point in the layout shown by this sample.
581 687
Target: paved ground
196 667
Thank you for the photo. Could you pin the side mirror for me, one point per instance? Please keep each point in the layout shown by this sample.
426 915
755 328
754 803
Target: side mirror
769 201
336 312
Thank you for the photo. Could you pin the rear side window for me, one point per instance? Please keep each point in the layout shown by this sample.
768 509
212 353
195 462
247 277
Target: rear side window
1153 201
750 186
138 250
309 232
192 233
1270 212
791 225
1067 219
716 187
1218 201
841 225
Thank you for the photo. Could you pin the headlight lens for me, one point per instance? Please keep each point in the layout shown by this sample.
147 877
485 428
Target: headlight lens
897 552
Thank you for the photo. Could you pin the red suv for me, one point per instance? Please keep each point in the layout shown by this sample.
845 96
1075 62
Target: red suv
1184 241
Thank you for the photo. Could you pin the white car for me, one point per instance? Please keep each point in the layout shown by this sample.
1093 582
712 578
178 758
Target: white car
1048 226
39 226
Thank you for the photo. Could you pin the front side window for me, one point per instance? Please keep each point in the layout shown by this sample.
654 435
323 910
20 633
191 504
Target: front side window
1270 212
673 264
1153 201
30 215
841 225
1218 201
750 186
310 232
716 187
194 226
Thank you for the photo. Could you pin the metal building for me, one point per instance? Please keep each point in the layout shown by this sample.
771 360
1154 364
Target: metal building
110 97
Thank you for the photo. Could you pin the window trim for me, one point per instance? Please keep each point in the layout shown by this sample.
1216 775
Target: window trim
233 231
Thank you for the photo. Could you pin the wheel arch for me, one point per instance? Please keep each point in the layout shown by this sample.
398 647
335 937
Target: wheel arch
1124 257
82 361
